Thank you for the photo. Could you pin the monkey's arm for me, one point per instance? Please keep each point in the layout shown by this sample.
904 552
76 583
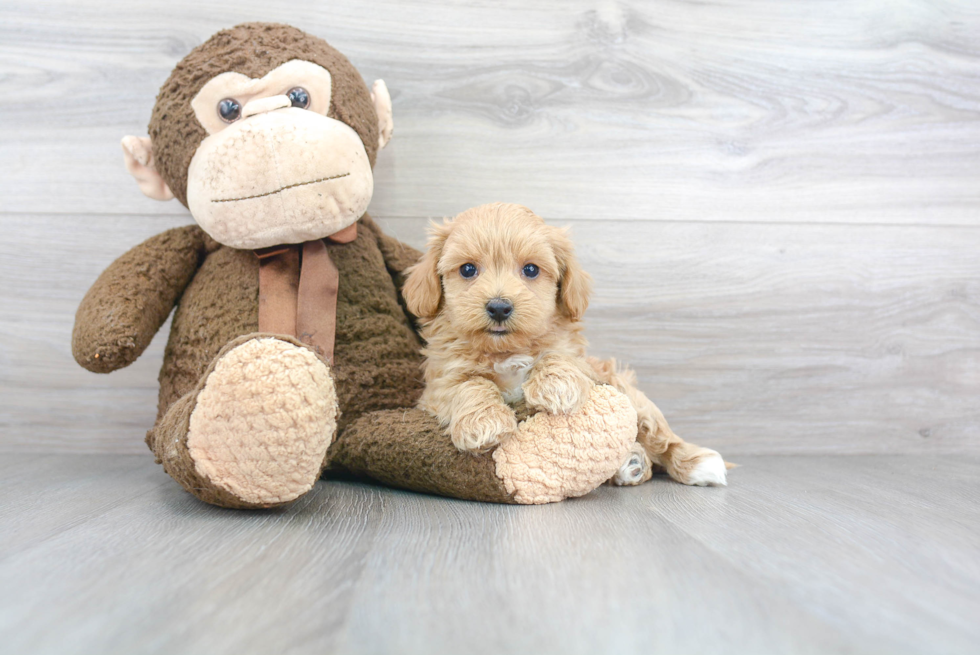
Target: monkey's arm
398 258
397 255
133 297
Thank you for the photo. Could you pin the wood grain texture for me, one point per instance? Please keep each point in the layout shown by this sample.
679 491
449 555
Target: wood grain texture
835 111
752 338
778 201
813 554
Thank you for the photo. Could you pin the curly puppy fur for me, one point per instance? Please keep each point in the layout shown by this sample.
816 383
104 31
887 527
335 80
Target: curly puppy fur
480 363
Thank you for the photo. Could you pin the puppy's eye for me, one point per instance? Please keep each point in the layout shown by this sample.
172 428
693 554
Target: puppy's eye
229 110
467 270
531 271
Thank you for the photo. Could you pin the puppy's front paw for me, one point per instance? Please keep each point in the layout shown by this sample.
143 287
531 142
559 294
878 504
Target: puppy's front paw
483 429
557 390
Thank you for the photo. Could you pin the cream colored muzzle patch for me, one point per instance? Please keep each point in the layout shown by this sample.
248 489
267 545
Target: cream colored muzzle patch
263 421
283 176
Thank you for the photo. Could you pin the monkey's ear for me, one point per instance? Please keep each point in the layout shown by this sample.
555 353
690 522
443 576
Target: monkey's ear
382 105
423 286
138 154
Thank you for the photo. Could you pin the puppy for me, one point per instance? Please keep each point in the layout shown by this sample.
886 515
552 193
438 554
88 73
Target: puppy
500 298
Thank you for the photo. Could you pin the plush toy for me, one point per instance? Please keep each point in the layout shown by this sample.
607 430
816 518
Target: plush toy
291 351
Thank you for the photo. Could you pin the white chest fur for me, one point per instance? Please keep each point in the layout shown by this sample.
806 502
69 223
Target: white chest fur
511 374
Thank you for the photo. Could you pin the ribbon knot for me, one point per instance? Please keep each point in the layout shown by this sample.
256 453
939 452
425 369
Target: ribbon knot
298 286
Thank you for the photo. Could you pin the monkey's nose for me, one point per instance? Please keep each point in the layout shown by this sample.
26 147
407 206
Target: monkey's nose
499 309
262 105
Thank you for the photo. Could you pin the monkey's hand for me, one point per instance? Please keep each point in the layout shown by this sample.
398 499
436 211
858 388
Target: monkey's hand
558 384
133 297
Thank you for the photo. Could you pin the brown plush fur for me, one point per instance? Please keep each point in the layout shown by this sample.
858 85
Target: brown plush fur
406 448
251 49
138 291
215 289
466 349
376 354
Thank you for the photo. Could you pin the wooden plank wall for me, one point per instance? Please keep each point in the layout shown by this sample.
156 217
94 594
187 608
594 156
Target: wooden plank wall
780 201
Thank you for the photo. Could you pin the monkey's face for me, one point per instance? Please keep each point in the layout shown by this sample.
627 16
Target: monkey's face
267 134
274 167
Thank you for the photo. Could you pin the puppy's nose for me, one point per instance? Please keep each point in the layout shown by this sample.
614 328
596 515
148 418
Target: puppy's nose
499 309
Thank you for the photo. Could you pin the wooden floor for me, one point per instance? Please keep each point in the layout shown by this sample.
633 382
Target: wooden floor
801 554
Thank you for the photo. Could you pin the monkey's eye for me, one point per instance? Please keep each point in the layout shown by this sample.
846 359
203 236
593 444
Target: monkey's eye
467 270
229 110
299 97
531 271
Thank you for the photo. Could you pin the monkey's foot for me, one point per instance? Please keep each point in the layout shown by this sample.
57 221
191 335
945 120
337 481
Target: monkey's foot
263 421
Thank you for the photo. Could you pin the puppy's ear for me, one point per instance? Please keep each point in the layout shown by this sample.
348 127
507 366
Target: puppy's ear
574 284
423 287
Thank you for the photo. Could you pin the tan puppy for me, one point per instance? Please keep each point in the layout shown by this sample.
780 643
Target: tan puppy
500 297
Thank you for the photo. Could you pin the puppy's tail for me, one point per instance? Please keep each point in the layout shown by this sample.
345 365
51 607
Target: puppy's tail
664 448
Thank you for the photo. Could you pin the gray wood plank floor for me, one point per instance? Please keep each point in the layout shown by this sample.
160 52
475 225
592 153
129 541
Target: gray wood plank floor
801 554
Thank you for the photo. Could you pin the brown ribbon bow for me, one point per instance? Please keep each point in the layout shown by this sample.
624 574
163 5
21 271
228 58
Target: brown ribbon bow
298 286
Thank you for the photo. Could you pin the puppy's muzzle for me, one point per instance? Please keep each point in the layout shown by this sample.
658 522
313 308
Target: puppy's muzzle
499 309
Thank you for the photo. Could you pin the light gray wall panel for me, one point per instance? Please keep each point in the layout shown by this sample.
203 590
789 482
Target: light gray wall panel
766 111
751 337
780 202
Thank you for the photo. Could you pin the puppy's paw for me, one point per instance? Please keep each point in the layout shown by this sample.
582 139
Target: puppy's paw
637 469
557 390
483 429
707 470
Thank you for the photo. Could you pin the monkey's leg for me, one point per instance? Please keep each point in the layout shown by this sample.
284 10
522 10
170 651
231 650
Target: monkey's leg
255 431
406 448
657 447
551 457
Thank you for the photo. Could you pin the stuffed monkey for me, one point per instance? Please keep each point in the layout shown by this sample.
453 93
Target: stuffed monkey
291 352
